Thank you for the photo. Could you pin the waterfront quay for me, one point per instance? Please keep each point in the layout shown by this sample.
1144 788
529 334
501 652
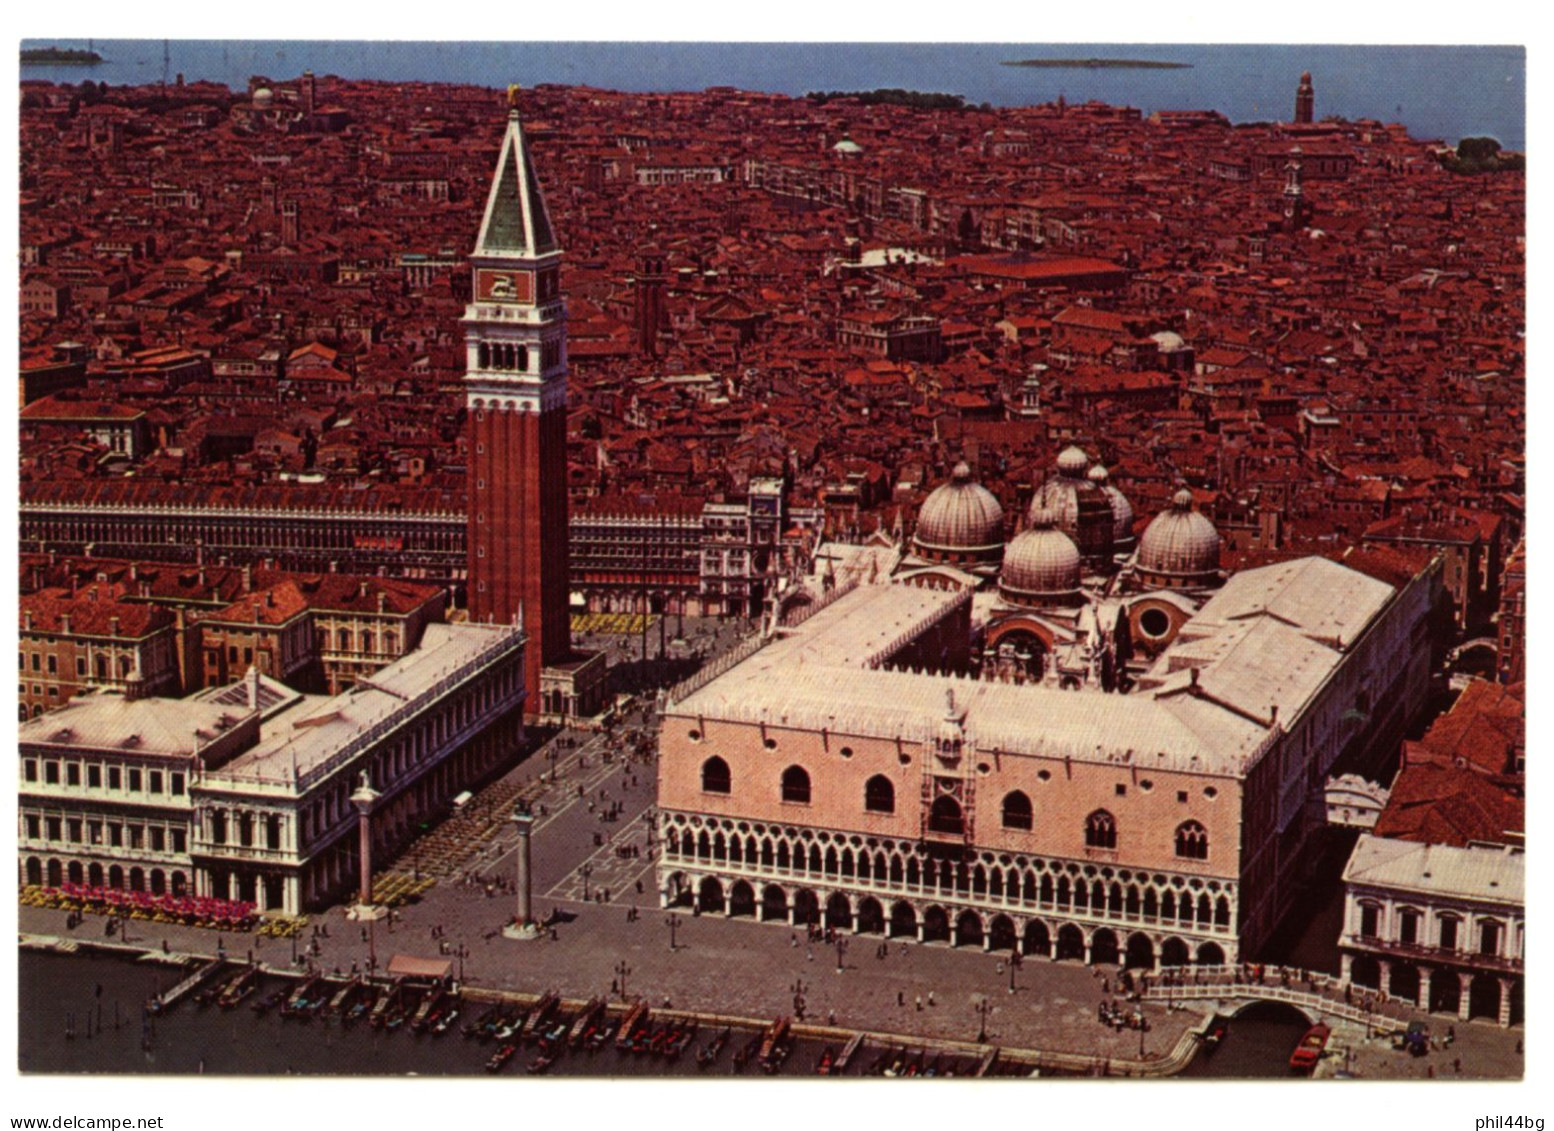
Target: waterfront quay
605 935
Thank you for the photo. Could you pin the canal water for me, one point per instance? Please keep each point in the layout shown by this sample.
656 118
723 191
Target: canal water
1257 1044
83 1015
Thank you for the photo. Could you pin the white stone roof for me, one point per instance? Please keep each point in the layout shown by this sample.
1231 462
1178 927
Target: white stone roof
1488 874
109 721
1320 599
309 735
1250 658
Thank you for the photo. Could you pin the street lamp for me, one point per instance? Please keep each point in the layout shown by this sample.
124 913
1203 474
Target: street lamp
1014 964
841 951
798 989
983 1008
673 923
622 972
587 871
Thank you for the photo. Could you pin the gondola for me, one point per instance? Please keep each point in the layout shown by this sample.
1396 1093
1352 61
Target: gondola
636 1019
1309 1050
709 1053
827 1061
586 1019
681 1040
500 1058
849 1051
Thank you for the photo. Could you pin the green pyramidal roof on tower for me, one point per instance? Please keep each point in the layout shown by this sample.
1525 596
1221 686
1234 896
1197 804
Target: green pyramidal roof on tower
516 222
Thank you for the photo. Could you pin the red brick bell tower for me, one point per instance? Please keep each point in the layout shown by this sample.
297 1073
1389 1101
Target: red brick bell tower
516 395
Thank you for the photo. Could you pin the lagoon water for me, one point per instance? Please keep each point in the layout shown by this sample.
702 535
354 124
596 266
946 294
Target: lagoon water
1440 92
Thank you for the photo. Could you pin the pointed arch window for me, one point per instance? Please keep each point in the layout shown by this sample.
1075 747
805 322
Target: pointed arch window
1192 841
1100 830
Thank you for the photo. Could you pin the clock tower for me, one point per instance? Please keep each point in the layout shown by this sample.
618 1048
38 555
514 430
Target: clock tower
515 393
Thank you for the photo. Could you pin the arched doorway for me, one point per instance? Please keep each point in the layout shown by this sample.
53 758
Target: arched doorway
1141 952
1404 982
774 904
94 875
158 881
871 916
968 929
936 925
1515 1017
839 913
677 891
1001 933
55 873
1103 947
180 884
806 908
1174 952
709 895
1484 997
1037 940
75 873
34 871
903 920
1365 972
1071 943
115 876
1210 954
1445 992
741 899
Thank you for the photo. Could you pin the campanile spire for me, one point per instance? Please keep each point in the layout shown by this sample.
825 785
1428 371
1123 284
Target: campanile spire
515 395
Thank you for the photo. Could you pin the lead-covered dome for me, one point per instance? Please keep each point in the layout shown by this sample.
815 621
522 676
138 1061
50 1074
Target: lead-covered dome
960 522
1122 510
1041 565
1082 507
1180 547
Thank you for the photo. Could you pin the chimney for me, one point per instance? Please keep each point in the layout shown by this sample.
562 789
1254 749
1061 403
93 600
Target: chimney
361 588
248 579
382 600
257 607
253 688
64 622
134 572
91 594
113 626
27 620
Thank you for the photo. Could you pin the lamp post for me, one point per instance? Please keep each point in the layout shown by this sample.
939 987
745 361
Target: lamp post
673 923
841 953
1014 964
798 989
587 870
983 1008
622 972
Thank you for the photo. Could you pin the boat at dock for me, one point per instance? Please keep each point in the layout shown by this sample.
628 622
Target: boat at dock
709 1053
540 1016
776 1045
1309 1050
636 1021
849 1051
243 984
588 1017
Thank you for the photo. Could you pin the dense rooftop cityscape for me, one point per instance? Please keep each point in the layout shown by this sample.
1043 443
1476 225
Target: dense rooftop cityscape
1202 443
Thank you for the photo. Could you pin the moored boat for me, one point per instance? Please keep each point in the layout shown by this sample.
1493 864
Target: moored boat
709 1053
1309 1050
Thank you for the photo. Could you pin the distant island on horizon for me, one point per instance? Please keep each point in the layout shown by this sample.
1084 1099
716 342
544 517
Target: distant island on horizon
60 55
1147 64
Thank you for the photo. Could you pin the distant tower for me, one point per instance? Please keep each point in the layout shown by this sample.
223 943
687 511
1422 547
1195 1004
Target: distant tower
515 390
267 198
291 222
309 93
648 295
1297 209
1305 100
